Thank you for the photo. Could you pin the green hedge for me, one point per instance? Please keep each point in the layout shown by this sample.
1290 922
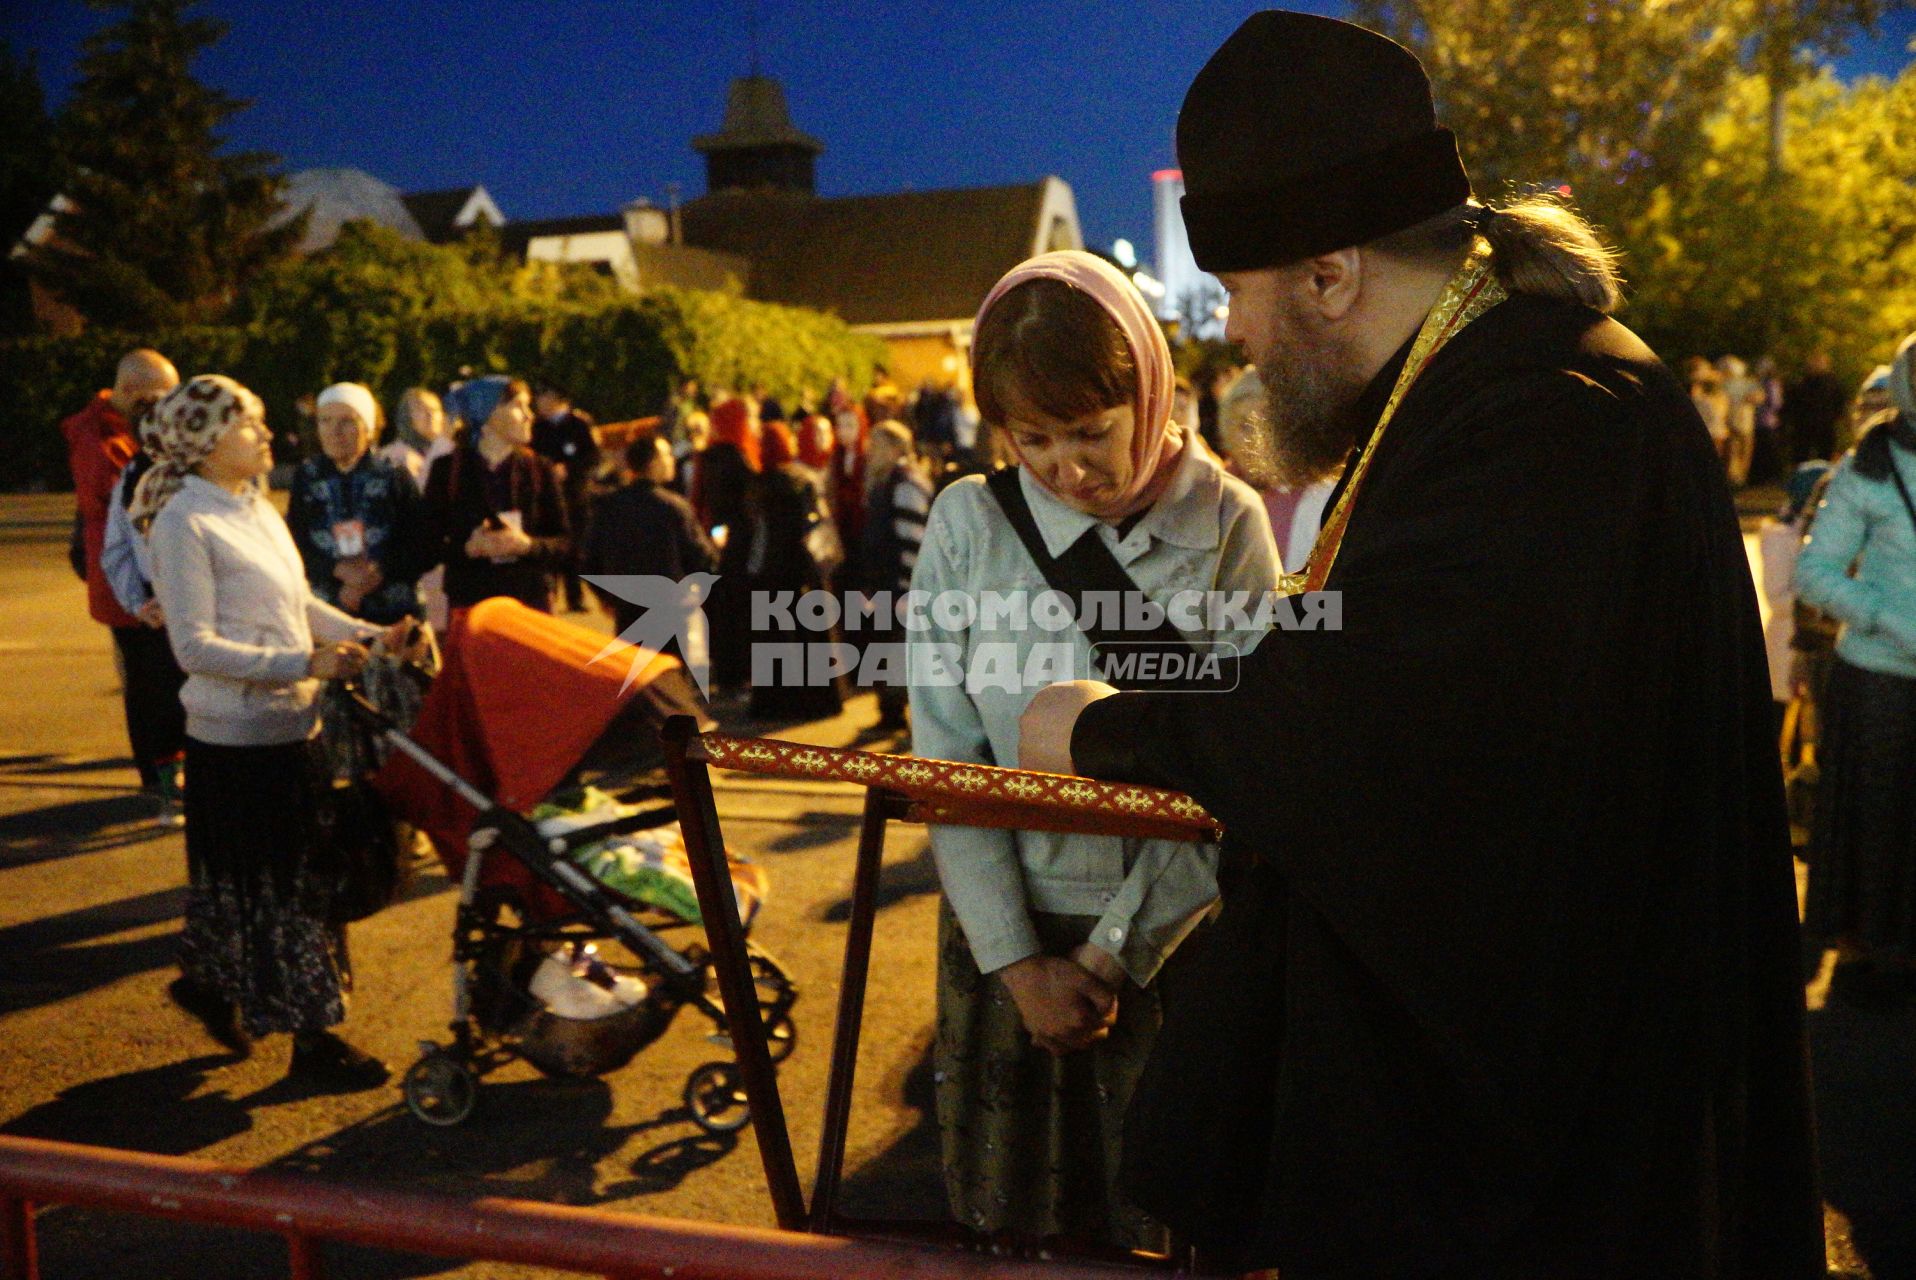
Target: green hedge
618 360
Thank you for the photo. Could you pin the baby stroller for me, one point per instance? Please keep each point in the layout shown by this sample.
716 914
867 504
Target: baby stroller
526 707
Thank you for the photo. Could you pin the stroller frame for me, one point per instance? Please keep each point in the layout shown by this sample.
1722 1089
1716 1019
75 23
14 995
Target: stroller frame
932 792
441 1088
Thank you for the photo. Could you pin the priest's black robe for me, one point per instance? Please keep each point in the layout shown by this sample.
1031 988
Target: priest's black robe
1506 980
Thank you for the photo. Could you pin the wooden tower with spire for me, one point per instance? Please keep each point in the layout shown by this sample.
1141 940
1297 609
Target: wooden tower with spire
758 148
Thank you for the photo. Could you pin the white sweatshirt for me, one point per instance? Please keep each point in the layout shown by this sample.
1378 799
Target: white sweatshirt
240 617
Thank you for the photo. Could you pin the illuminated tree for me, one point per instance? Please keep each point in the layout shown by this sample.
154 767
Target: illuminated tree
1730 261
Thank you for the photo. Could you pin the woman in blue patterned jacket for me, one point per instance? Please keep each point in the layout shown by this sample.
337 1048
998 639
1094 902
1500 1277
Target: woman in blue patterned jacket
356 518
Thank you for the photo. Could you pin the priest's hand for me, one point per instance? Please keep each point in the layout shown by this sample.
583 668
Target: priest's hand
1063 1006
1044 730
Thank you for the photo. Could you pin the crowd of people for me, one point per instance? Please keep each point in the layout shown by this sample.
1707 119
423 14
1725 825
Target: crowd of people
1763 427
227 617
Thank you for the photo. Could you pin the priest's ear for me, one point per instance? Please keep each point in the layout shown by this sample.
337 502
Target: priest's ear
1332 283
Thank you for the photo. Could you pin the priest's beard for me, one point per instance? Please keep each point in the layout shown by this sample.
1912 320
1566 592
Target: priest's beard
1305 428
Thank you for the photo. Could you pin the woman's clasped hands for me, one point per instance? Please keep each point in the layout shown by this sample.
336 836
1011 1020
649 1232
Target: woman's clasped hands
1067 1003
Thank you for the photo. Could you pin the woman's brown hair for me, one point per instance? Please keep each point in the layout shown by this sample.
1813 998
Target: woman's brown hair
1048 351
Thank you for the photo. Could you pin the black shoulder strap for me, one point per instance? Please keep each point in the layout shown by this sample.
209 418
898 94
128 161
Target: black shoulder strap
1086 566
138 465
1902 489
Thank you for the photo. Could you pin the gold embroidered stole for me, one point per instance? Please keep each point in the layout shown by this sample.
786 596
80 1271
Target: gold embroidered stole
1469 293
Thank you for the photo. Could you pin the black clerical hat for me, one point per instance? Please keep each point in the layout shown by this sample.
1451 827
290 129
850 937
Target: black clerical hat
1305 134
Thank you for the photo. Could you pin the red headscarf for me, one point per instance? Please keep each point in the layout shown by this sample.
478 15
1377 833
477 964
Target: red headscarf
777 446
815 441
1155 440
732 424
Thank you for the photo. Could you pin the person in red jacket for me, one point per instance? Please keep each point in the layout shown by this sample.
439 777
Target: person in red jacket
100 440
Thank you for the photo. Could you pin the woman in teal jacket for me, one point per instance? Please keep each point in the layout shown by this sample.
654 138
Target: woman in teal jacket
1859 566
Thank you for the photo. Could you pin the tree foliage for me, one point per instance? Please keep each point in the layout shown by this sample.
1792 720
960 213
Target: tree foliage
27 180
392 313
1728 260
1668 120
164 228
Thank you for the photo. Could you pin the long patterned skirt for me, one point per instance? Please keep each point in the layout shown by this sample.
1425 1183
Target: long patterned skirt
1863 849
1031 1141
256 928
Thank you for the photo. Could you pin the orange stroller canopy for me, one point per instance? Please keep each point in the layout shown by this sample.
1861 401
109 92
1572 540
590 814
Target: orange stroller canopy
521 698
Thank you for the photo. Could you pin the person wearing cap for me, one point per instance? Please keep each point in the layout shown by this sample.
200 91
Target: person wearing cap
495 516
1506 979
356 517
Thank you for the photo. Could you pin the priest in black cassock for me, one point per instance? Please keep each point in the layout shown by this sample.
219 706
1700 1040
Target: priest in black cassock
1506 979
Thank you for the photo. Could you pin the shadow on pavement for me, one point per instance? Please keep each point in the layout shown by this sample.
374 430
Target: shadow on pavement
45 765
900 882
110 821
159 1110
905 1180
815 829
545 1147
55 958
533 1139
1864 1061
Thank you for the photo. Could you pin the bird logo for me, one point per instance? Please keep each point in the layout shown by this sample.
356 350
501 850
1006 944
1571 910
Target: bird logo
670 609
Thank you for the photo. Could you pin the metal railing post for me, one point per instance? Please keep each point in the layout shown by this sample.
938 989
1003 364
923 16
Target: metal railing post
304 1259
718 905
880 807
19 1254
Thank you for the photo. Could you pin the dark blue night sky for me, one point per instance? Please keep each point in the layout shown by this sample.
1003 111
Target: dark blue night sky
576 107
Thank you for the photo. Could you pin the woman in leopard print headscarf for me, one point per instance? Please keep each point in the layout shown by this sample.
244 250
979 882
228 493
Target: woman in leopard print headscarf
260 950
182 430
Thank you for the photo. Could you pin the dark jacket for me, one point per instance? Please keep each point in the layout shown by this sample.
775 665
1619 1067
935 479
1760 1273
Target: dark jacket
568 442
1506 981
384 501
644 529
462 492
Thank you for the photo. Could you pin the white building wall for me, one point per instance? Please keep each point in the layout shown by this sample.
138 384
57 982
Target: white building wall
613 247
1175 267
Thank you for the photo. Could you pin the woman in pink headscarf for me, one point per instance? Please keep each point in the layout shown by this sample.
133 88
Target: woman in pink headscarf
1050 944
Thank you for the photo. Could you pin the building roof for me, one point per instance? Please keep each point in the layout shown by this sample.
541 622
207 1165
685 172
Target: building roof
515 236
756 116
888 259
334 197
437 212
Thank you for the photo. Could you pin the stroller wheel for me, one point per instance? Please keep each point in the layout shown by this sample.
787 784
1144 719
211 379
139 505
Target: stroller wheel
441 1090
781 1037
715 1095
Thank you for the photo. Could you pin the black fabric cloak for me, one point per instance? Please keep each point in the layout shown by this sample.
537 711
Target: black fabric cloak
1506 981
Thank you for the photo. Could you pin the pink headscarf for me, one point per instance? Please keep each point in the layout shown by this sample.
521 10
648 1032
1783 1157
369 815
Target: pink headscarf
1154 439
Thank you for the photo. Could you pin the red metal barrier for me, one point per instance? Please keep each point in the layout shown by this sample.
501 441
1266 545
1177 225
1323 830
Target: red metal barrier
306 1211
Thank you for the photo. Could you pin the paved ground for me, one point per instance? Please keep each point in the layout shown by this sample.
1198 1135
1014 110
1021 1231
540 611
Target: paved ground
90 1051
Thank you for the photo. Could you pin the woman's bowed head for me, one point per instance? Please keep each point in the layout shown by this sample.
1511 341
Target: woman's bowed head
1057 367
